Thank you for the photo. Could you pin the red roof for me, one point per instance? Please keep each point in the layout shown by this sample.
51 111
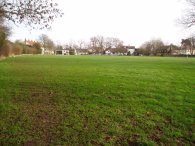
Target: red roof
29 42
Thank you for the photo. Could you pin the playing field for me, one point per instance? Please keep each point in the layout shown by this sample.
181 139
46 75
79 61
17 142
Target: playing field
97 100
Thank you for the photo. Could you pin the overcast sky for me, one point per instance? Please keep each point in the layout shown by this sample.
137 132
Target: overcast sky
133 21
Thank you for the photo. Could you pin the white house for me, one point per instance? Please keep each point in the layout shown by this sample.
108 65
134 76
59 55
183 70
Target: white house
130 49
65 52
46 51
183 52
82 52
108 52
62 52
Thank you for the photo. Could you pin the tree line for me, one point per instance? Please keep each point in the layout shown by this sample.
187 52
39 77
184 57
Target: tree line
157 47
34 14
95 45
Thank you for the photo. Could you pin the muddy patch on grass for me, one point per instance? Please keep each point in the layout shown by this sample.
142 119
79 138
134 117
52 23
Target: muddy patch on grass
44 115
130 142
156 135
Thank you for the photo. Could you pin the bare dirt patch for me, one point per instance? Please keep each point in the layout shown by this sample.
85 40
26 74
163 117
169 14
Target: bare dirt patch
44 115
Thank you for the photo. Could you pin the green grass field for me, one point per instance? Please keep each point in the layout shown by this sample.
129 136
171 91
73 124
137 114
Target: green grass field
97 100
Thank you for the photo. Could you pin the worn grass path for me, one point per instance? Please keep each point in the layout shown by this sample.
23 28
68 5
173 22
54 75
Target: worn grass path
97 100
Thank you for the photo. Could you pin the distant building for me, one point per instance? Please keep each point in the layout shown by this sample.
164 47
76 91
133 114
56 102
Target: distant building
47 51
29 42
108 52
82 51
183 52
62 52
123 50
130 49
72 52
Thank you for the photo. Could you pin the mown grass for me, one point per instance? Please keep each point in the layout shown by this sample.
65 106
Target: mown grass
97 100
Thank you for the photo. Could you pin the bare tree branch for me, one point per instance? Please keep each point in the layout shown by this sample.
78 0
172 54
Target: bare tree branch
189 17
32 13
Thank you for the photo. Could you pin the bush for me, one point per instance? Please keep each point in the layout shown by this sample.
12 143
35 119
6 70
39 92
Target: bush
6 49
129 53
17 49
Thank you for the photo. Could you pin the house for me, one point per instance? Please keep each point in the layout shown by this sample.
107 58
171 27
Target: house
130 49
45 51
187 47
120 51
187 51
62 52
183 52
70 51
91 51
108 52
124 50
29 43
82 51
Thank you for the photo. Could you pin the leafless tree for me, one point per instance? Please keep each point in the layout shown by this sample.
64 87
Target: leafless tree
152 47
117 43
46 42
189 17
108 43
33 13
97 43
189 44
100 42
81 44
93 42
